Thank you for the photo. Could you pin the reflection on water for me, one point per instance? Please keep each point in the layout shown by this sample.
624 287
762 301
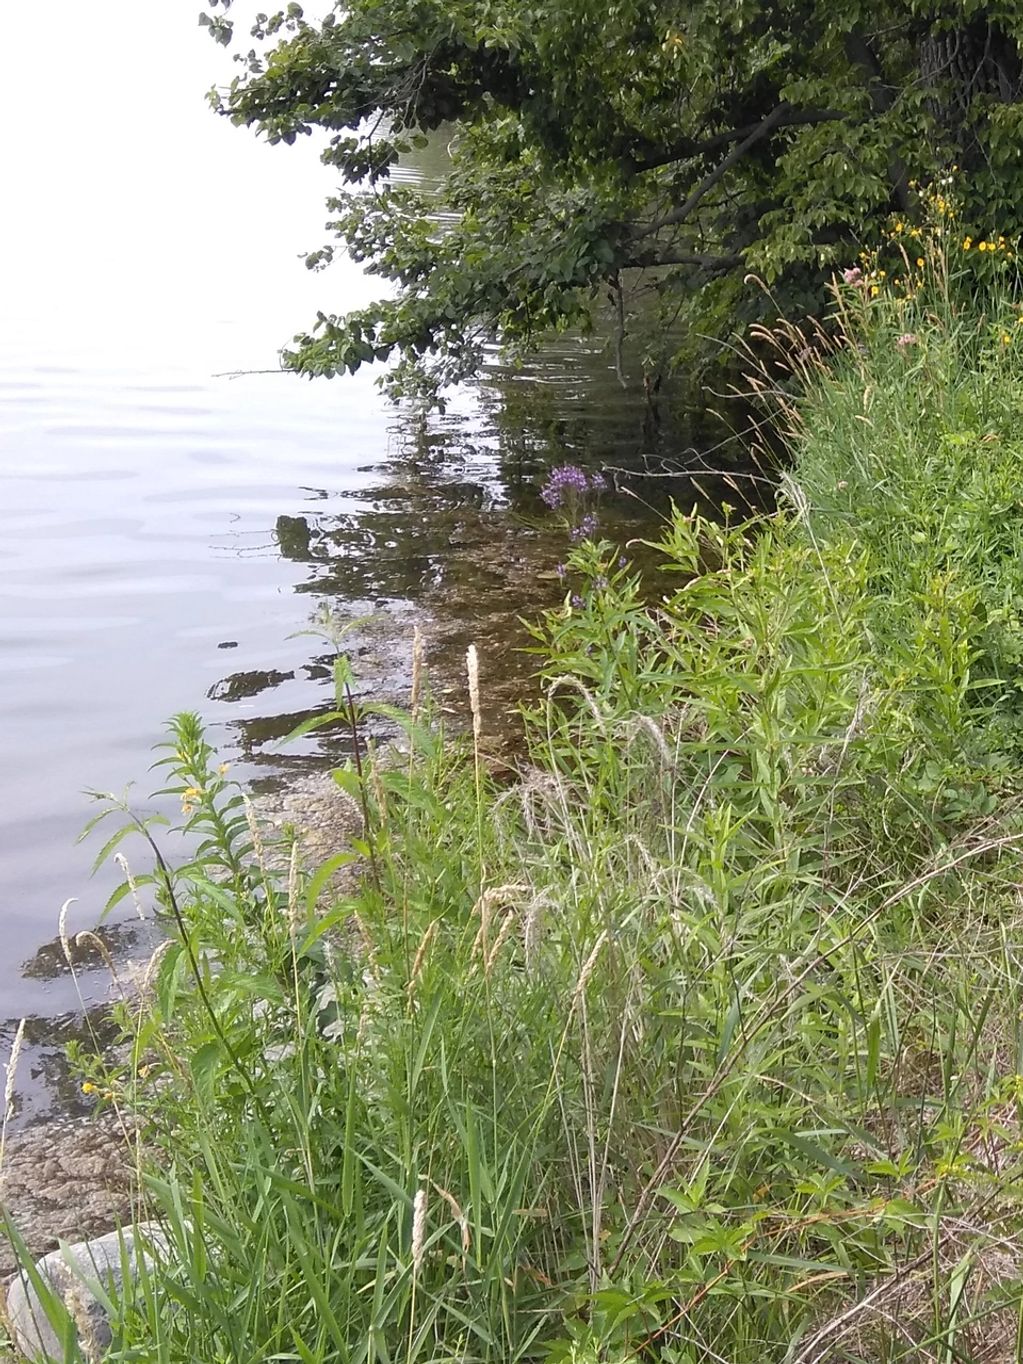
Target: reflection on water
450 531
186 571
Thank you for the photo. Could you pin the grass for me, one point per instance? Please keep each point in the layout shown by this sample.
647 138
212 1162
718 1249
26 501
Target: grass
703 1040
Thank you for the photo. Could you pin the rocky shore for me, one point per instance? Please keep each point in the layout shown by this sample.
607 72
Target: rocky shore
65 1180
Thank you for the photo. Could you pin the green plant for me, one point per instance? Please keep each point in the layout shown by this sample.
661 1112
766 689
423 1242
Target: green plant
703 1040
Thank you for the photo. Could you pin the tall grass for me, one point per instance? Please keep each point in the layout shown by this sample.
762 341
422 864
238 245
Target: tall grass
700 1042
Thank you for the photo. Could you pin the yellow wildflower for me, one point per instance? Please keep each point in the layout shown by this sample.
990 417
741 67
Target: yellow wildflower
192 793
223 769
874 291
967 243
898 229
88 1087
1006 339
982 246
920 262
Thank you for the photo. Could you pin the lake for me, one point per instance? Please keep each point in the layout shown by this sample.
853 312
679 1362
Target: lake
172 532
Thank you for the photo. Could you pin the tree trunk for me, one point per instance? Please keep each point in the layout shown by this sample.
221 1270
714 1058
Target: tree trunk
959 64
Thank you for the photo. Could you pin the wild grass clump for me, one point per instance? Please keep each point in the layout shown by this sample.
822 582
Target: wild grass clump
699 1042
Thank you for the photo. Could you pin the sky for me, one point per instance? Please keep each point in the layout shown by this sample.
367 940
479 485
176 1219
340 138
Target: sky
136 221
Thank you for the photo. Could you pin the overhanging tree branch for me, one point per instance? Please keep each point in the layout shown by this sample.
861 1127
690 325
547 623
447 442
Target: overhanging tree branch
882 98
763 129
690 148
625 147
699 260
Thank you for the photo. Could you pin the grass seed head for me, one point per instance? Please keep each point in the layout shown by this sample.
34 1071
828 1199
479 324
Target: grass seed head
12 1069
502 933
7 1112
458 1214
87 938
588 968
472 666
418 668
62 930
258 846
418 1231
294 905
424 947
122 862
531 933
152 965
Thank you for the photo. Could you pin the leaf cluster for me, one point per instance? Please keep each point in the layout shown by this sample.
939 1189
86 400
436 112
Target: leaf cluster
594 143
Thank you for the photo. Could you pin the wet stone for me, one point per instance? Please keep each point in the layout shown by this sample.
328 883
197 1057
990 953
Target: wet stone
325 819
64 1180
70 1179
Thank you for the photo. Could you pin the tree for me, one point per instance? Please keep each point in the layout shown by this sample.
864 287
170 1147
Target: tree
594 145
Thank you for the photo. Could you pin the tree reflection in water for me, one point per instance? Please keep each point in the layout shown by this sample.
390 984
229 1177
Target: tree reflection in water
453 535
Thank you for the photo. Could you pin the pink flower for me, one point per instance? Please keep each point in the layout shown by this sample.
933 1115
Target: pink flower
853 275
906 339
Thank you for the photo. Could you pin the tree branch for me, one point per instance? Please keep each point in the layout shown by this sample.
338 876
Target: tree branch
882 97
696 259
688 149
678 215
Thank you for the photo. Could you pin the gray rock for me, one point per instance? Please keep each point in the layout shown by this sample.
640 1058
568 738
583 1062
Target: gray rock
73 1274
66 1180
325 817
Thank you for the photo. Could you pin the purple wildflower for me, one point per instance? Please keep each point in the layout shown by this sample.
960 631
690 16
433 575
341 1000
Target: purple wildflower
560 570
577 600
853 275
566 481
584 529
906 339
600 583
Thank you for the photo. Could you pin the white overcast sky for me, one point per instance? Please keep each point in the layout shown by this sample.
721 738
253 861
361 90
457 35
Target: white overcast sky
135 223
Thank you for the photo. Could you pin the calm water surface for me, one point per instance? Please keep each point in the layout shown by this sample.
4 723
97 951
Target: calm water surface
166 532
